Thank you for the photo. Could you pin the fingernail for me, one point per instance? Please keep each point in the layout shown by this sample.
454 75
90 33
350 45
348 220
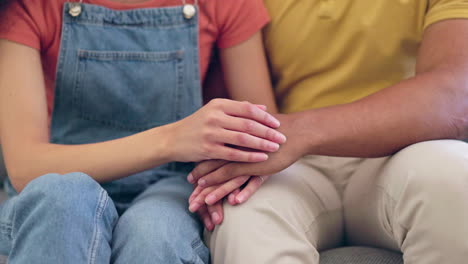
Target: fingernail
275 121
240 198
202 182
231 198
193 207
210 227
215 217
190 178
281 138
208 224
273 146
262 156
210 199
263 107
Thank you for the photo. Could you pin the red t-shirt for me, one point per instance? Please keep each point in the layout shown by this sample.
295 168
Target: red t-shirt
38 23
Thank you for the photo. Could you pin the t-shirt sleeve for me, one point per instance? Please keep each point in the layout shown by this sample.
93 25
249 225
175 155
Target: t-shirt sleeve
238 20
439 10
21 23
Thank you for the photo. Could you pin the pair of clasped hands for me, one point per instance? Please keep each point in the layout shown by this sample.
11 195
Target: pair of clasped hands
253 138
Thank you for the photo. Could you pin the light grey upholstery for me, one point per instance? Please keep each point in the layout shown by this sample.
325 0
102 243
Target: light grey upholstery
360 255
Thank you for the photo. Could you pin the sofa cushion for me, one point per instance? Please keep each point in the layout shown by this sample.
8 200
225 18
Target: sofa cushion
360 255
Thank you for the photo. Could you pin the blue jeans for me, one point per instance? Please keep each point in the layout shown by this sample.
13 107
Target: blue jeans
71 219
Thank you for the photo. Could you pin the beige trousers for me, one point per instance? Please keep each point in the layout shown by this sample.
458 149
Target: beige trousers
415 201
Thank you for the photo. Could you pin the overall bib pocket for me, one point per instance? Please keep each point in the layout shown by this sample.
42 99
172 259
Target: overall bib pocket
129 90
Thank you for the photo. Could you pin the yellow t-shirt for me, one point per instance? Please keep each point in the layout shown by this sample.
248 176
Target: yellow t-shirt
328 52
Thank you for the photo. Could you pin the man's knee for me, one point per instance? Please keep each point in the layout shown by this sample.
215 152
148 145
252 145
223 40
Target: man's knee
435 169
286 221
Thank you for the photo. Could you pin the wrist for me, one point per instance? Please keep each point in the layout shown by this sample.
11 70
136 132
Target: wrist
164 149
300 130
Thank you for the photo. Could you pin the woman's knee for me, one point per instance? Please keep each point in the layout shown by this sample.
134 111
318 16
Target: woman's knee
148 226
74 194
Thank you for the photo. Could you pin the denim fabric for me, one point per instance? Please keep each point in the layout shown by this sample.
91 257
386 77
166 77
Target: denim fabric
119 73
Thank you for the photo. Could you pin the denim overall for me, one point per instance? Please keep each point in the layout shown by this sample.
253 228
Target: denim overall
119 73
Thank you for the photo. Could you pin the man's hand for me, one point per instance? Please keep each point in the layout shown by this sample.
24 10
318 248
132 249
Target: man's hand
222 176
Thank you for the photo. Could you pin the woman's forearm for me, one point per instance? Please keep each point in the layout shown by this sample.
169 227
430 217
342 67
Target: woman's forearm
104 161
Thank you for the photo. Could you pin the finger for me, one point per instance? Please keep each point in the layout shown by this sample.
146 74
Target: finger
263 107
253 128
199 200
195 193
205 217
246 140
232 197
216 213
221 175
237 155
204 168
250 111
253 185
225 189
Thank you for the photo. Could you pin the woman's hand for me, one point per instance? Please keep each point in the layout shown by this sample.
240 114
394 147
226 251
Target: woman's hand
219 174
205 134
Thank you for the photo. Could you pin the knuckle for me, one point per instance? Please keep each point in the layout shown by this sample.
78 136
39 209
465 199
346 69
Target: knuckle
212 119
208 135
251 110
215 102
226 170
249 126
263 144
207 149
195 174
265 116
242 139
203 169
269 134
239 181
233 155
251 157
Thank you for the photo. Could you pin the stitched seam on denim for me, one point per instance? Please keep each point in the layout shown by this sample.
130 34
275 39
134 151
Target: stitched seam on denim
150 56
58 74
6 228
140 26
102 203
196 244
196 56
180 74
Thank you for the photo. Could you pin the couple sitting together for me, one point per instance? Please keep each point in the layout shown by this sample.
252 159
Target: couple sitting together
342 126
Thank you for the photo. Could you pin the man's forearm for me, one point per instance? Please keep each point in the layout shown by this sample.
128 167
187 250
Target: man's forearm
432 105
